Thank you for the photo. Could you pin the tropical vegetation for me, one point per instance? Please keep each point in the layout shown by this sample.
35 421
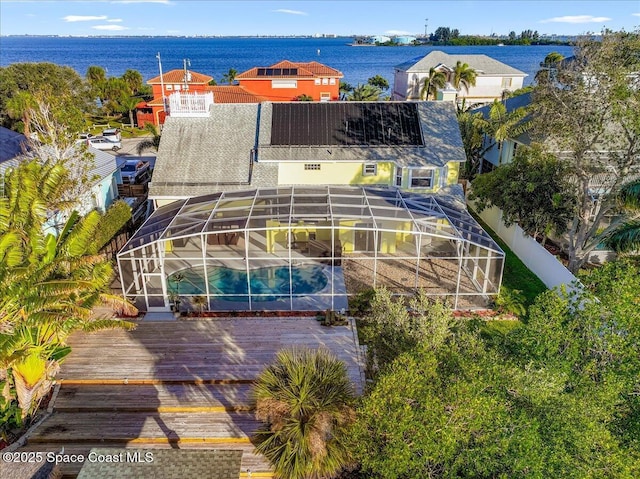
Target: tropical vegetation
554 396
152 142
50 281
364 92
306 401
436 79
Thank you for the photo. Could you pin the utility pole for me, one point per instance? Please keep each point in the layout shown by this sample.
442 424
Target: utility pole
186 62
164 99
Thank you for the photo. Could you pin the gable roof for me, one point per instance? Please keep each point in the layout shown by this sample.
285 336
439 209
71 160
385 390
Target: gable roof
232 148
177 76
483 64
302 70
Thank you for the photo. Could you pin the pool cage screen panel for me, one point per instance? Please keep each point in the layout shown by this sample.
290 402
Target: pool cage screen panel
308 248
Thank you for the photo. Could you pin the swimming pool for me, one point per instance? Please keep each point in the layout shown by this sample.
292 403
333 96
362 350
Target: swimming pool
267 284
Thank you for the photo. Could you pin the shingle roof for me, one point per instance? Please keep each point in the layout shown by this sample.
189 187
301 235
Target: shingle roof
10 144
202 155
483 64
305 70
177 76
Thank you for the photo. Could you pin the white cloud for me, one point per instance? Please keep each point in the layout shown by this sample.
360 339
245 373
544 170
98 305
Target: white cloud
83 18
114 20
636 14
110 28
576 19
290 12
397 32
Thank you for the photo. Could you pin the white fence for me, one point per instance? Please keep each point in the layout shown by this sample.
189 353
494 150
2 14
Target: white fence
543 264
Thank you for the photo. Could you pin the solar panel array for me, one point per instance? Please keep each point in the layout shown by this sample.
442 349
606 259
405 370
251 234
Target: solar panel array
346 124
276 72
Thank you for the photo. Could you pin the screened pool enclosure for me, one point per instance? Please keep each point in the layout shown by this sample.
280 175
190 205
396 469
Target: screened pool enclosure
307 248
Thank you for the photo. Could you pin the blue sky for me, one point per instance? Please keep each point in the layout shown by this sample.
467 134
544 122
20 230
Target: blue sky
178 17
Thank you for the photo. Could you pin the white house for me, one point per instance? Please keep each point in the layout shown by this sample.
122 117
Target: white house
493 77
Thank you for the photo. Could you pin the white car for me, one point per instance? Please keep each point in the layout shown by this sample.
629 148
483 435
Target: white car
102 143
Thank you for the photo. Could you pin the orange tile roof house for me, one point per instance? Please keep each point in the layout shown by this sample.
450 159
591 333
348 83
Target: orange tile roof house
286 81
178 80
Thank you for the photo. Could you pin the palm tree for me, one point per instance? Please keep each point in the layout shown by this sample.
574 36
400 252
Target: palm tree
149 143
464 75
548 67
230 76
435 80
365 92
625 238
20 106
127 105
345 89
306 400
133 78
49 284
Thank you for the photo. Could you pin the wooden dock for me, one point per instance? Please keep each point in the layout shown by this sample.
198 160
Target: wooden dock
179 384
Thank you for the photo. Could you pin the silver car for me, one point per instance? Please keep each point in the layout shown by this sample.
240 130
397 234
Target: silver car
101 143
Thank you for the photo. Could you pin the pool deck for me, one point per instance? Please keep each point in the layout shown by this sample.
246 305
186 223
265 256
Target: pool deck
176 384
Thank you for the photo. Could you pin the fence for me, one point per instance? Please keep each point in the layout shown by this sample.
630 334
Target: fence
542 263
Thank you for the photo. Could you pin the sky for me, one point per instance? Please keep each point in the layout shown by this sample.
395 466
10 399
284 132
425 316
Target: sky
345 17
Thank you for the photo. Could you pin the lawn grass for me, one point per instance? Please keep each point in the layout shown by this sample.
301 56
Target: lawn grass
516 275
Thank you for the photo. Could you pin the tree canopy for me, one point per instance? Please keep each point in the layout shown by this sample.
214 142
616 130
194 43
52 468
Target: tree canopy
532 191
557 397
591 113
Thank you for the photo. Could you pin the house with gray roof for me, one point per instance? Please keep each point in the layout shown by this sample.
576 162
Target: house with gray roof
493 78
104 172
410 145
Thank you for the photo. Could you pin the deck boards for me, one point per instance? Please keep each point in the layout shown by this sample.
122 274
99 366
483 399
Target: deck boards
183 384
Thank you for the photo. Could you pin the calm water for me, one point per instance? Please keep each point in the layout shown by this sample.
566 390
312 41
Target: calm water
214 56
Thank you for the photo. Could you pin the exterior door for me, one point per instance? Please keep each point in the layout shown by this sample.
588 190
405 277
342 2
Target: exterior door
156 296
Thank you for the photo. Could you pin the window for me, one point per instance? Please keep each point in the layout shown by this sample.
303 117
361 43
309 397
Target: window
506 82
332 81
398 176
312 166
325 96
176 87
369 169
317 81
421 178
169 87
325 81
284 84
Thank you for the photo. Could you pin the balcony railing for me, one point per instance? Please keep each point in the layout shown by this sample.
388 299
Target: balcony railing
190 104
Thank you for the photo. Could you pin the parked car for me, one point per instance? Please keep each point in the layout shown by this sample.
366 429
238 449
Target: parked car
112 134
101 143
135 171
85 136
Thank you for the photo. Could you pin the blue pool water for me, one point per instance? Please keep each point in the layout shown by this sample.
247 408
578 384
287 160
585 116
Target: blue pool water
267 284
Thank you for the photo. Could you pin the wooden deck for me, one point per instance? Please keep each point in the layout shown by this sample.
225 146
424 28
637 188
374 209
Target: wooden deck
182 384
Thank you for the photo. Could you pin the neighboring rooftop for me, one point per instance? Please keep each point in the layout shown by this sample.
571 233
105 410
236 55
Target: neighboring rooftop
178 76
234 94
288 69
483 64
11 144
